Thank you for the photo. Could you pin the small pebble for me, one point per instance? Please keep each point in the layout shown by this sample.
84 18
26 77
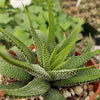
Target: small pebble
81 85
66 94
91 93
72 92
7 98
24 99
77 98
2 98
64 89
78 90
70 98
1 82
87 98
82 98
85 87
91 87
32 98
36 99
85 93
41 98
1 77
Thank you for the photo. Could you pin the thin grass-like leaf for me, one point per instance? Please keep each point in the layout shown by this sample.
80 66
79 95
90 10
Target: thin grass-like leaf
79 60
53 55
70 38
62 55
37 40
51 35
63 64
87 50
46 56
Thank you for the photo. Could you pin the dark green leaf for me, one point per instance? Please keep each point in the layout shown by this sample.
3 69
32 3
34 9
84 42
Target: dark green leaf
51 35
54 94
66 73
83 76
14 85
14 72
79 60
70 38
37 41
33 69
35 88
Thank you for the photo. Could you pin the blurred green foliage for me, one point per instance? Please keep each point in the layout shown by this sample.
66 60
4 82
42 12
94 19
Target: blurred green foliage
15 21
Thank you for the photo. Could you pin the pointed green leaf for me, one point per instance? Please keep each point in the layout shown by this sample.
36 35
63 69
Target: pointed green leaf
28 53
51 35
2 60
66 73
37 41
19 53
63 64
53 55
33 69
62 55
35 88
72 52
54 94
42 35
45 58
71 37
79 60
14 85
87 50
14 72
84 76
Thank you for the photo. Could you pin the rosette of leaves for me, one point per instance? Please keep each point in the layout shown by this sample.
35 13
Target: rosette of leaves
58 65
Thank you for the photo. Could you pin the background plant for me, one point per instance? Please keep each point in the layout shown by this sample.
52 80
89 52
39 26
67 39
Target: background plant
58 65
15 21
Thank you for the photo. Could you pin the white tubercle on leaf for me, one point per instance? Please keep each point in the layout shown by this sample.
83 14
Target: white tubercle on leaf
18 3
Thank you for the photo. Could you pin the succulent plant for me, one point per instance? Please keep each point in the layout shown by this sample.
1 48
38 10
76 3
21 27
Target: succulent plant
58 65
